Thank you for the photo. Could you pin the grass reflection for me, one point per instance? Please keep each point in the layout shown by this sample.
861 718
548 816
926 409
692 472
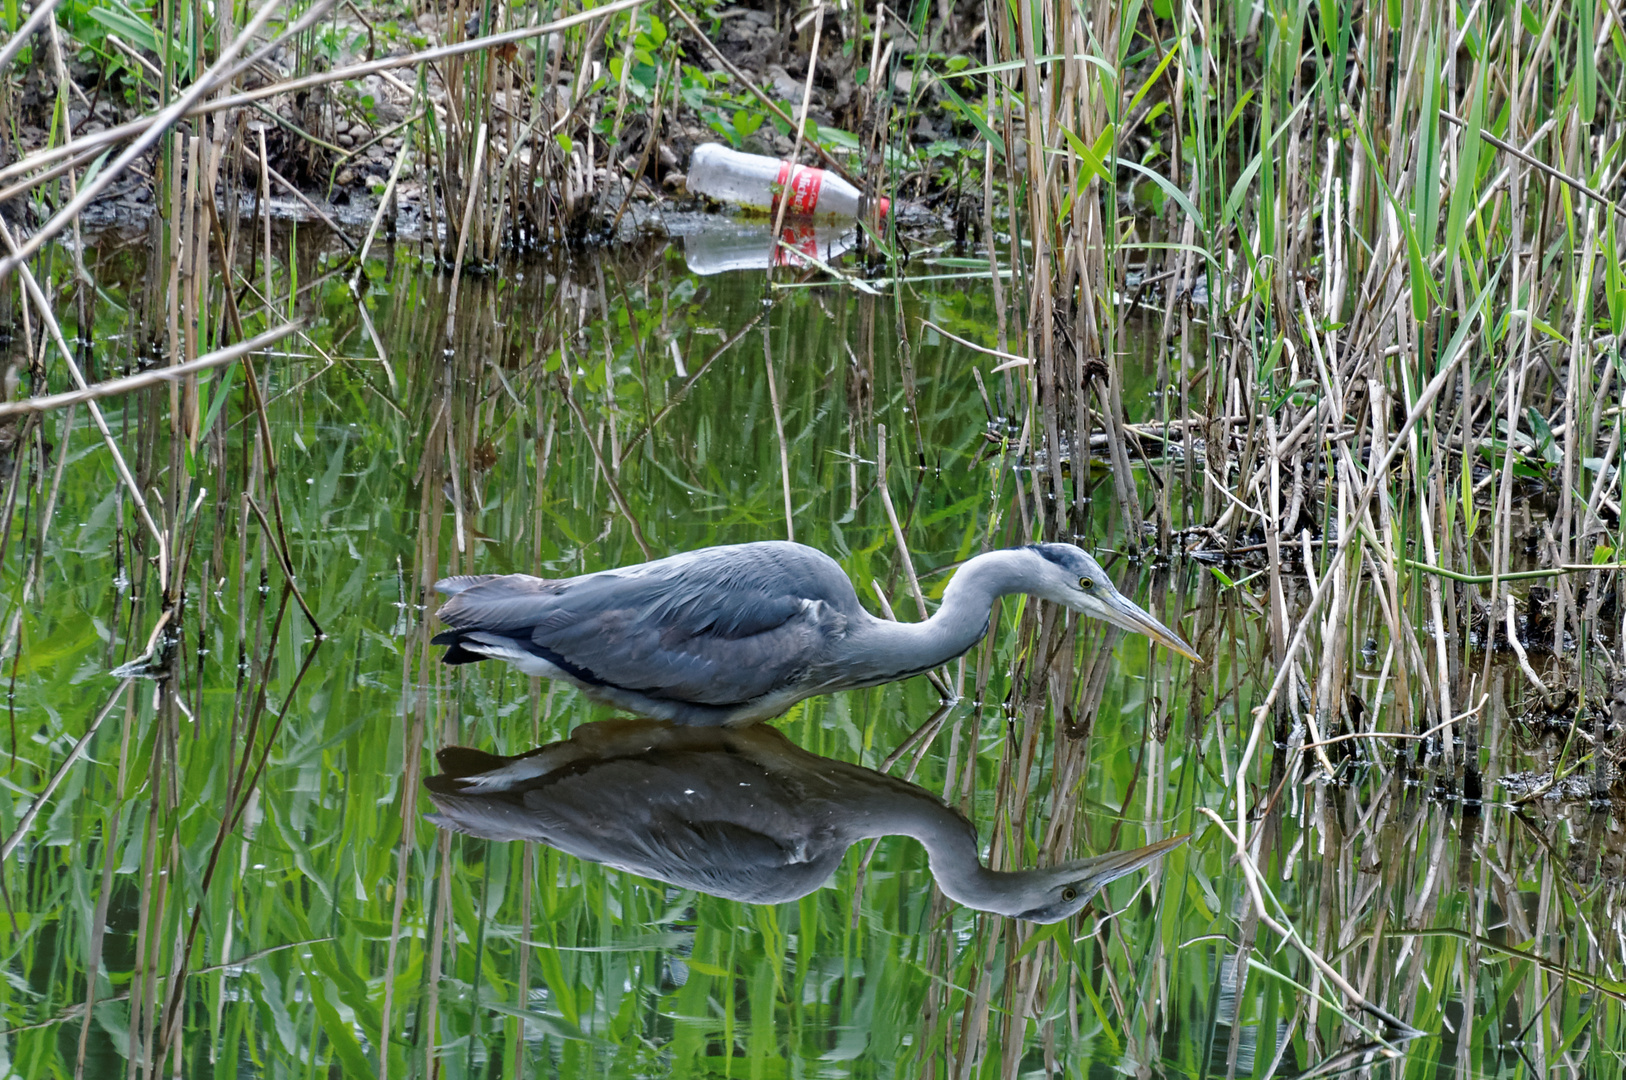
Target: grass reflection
267 791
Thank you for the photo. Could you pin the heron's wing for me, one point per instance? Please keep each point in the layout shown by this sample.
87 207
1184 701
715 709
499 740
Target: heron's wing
718 626
708 814
697 842
725 858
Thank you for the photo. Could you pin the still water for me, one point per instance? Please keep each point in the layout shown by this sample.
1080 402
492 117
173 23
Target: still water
239 871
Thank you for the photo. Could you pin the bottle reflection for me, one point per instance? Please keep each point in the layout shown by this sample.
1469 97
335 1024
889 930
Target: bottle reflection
740 813
725 244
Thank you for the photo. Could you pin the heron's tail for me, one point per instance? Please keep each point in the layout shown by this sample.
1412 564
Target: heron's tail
458 762
451 586
466 771
455 652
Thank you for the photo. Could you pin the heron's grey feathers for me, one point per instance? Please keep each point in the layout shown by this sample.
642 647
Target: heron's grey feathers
733 635
703 819
451 586
719 626
742 813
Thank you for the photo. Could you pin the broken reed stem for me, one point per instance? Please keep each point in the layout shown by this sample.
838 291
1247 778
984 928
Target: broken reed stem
153 377
48 316
469 200
154 129
1541 166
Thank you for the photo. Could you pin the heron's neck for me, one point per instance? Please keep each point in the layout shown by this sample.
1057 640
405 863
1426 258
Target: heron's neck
894 649
952 852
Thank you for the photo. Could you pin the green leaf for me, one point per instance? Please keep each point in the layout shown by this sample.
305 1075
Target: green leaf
340 1035
217 399
1586 68
1544 436
1173 192
1094 157
1465 192
976 120
1426 189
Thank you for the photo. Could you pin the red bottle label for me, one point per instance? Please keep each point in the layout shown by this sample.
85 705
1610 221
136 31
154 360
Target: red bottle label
796 241
801 189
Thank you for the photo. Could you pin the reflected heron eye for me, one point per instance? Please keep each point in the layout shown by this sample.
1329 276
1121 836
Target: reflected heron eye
1069 894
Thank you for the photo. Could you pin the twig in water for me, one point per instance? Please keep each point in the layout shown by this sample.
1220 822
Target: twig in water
62 771
1015 361
1435 730
152 377
278 548
1251 873
312 207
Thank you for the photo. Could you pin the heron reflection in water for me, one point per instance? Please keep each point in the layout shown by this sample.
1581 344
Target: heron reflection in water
741 813
733 635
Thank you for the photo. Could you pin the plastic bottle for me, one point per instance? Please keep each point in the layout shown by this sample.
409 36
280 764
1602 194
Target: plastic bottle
755 182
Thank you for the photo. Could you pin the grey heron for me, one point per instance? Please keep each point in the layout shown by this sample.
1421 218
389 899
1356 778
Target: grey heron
733 635
741 813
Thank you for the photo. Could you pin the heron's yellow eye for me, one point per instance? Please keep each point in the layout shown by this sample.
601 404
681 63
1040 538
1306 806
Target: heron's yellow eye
1069 894
1085 583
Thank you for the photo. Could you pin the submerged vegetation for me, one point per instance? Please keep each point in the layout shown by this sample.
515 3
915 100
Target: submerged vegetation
1305 317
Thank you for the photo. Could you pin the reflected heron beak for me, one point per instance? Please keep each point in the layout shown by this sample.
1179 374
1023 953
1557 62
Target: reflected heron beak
1103 869
1120 611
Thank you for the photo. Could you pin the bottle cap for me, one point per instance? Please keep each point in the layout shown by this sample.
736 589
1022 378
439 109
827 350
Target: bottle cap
883 205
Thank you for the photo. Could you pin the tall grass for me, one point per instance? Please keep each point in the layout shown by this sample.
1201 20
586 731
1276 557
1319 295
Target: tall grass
1401 232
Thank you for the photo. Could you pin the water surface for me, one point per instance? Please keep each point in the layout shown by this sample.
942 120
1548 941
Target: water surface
239 873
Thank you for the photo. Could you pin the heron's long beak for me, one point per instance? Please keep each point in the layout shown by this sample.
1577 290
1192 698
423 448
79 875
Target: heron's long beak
1102 869
1121 611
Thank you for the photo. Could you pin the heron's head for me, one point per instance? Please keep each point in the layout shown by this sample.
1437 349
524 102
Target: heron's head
1058 892
1069 576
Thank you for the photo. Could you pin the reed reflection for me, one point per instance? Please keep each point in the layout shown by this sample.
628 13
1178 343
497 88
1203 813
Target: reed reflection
741 813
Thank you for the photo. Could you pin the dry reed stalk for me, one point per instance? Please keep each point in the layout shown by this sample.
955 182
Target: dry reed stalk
779 431
43 15
218 73
145 379
604 469
85 149
48 317
470 201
